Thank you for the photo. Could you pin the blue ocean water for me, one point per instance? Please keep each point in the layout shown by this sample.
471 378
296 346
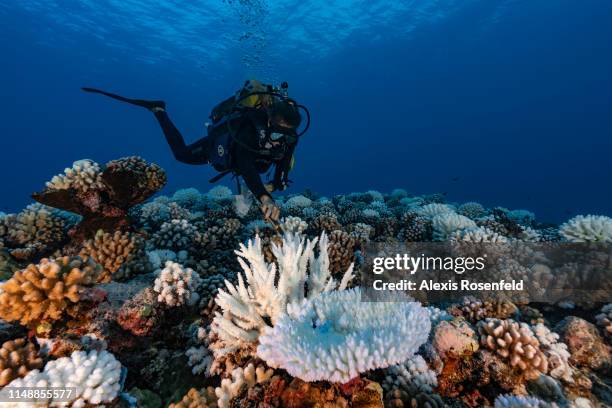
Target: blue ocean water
505 102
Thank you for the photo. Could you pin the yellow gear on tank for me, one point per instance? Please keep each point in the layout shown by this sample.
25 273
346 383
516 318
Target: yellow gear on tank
257 100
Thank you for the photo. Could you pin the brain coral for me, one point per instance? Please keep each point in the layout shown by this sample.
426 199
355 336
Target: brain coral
587 228
335 336
43 292
95 376
17 358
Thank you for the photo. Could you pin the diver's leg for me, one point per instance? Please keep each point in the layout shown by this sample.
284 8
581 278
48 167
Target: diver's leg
195 153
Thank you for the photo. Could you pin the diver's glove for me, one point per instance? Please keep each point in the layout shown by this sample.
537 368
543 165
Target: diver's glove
269 209
277 186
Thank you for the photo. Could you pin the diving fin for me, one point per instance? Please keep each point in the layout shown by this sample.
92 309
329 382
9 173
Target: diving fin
150 105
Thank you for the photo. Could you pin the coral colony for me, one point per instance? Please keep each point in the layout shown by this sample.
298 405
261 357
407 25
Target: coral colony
191 300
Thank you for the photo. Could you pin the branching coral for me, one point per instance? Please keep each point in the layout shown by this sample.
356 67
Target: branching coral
477 235
472 210
516 343
335 336
93 378
475 309
341 251
43 292
293 225
17 358
325 222
587 228
247 377
556 352
412 371
84 175
176 235
120 254
34 231
250 307
176 285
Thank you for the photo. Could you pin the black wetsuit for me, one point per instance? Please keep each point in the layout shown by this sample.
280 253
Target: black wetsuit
246 161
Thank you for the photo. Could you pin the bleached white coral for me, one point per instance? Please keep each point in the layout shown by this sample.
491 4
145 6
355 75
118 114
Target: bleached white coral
478 235
335 336
528 234
411 201
437 315
220 193
431 210
84 175
412 371
298 201
518 401
446 223
556 352
249 306
247 377
587 228
177 286
293 225
95 376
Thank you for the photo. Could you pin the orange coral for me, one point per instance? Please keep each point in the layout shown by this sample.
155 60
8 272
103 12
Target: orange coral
17 358
42 292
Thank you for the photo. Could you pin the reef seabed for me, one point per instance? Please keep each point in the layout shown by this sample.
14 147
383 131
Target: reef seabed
191 300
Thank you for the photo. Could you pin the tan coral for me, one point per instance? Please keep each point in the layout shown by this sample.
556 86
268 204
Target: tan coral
119 254
43 292
341 251
325 222
515 342
474 309
17 358
203 398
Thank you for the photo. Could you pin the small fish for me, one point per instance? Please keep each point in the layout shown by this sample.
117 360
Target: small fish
456 178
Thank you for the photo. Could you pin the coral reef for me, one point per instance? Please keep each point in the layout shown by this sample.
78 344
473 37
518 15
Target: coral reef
206 305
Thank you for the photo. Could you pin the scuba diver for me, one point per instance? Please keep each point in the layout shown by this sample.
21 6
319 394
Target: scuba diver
250 131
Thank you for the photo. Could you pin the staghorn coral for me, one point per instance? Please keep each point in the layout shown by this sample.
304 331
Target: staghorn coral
17 358
84 175
335 336
447 223
177 286
94 377
248 307
203 398
43 292
587 228
120 254
341 251
516 343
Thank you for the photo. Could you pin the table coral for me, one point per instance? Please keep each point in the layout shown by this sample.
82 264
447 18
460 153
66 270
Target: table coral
43 292
125 183
17 358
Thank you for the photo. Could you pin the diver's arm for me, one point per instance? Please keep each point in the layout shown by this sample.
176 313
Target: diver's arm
282 168
245 166
195 153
